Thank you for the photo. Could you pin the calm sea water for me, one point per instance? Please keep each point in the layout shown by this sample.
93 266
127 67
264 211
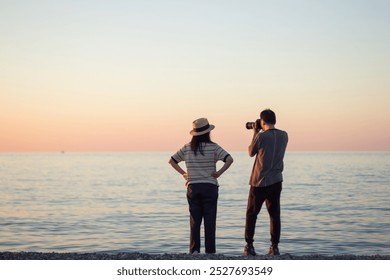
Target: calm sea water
332 203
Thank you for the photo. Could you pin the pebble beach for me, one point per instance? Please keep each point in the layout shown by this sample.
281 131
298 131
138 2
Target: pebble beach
143 256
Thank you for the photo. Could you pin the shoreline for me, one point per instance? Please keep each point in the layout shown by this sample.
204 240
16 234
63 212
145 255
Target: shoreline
178 256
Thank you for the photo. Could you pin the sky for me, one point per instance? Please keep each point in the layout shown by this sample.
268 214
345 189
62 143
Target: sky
133 75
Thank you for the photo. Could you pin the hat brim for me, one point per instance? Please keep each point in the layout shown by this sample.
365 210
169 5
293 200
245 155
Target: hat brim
195 133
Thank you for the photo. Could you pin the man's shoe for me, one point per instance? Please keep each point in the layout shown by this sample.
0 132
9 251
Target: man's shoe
249 250
273 250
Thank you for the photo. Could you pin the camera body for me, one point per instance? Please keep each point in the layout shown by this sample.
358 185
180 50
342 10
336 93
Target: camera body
252 125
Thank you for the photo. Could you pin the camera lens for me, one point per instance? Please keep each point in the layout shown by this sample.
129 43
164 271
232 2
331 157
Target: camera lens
250 125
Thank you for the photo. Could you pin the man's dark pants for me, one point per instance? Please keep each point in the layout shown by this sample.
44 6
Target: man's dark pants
257 196
202 200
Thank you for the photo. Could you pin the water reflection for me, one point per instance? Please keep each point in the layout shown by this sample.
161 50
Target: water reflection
331 203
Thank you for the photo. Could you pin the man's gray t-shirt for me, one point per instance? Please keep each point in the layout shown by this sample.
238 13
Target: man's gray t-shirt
269 147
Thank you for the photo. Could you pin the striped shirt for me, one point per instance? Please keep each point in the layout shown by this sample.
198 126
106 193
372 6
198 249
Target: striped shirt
200 167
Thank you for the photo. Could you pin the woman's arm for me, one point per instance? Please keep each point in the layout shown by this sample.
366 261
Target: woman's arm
178 168
228 162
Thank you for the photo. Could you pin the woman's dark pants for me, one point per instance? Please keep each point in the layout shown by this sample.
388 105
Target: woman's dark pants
257 196
202 200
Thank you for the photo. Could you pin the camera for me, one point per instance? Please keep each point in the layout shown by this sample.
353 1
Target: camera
252 125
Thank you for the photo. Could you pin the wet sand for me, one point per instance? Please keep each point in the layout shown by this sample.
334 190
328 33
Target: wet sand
142 256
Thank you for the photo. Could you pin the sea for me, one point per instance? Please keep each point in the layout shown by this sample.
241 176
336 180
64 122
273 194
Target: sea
331 203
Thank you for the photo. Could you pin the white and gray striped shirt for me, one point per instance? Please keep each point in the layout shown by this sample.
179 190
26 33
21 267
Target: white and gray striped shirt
200 167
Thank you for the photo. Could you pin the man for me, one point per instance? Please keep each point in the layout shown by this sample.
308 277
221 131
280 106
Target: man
269 146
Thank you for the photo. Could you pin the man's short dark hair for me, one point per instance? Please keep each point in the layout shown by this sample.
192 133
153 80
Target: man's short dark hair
268 116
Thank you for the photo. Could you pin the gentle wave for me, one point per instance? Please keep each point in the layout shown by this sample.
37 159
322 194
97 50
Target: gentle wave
135 202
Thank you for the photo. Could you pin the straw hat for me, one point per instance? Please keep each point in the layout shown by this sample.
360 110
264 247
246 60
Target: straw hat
201 126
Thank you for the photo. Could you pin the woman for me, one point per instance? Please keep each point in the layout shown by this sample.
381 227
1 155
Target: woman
200 156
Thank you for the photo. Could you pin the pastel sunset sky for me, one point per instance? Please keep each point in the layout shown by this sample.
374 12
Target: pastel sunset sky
133 75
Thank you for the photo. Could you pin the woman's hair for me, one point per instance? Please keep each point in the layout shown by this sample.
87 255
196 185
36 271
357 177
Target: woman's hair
196 142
